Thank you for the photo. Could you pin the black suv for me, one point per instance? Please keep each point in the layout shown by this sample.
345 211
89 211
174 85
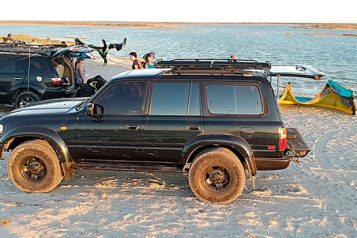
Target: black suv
211 120
33 74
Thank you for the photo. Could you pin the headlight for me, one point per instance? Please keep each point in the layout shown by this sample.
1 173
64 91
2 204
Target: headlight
1 128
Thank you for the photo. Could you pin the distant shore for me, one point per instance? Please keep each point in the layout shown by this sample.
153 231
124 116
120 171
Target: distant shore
333 26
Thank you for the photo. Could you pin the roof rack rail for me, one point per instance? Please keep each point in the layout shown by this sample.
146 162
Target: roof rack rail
212 64
20 47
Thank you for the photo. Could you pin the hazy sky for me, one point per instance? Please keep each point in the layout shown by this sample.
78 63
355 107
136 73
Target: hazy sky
342 11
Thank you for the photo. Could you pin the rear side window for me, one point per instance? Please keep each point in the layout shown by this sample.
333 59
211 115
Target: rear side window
234 99
7 65
170 98
41 66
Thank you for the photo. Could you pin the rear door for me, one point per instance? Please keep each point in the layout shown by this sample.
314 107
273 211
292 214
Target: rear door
11 77
174 118
238 109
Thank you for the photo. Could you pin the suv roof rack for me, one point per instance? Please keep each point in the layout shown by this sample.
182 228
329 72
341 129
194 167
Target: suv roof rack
219 66
26 48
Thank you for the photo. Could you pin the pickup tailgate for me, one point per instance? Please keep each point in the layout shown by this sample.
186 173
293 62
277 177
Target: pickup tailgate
295 144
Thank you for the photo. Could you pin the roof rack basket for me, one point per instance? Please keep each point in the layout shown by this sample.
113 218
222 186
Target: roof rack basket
219 65
25 48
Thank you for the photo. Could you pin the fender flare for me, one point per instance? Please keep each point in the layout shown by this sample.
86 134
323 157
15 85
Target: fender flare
46 134
234 143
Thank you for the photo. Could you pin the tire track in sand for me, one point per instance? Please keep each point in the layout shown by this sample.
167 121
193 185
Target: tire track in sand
320 150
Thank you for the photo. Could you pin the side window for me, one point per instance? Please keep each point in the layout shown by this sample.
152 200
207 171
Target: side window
194 100
234 99
123 98
170 98
40 65
7 65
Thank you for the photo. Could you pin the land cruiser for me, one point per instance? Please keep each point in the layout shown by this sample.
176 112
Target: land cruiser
215 121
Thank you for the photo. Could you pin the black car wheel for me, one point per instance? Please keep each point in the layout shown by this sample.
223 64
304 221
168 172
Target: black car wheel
26 98
34 167
217 176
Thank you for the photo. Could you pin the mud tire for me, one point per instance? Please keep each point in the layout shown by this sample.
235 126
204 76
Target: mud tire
227 165
43 153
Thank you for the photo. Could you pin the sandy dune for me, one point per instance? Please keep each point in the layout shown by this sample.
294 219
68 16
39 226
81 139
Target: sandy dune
316 198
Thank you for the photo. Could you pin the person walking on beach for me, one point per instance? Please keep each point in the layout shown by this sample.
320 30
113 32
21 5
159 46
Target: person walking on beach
136 62
80 71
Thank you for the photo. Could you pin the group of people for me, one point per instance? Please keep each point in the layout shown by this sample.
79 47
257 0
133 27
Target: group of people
146 62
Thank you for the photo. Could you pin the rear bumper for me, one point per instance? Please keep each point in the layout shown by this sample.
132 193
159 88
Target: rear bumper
272 163
60 92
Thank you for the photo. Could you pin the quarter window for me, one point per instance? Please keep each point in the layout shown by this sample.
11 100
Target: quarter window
123 98
234 99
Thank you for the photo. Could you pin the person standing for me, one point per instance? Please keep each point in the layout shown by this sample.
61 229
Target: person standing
149 60
136 62
80 71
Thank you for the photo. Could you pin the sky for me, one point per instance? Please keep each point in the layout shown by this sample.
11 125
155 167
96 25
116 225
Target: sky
304 11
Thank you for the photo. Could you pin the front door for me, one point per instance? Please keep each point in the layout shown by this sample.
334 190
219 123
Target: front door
117 135
174 119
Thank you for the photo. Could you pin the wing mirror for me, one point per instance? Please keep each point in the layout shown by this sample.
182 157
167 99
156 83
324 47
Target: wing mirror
95 110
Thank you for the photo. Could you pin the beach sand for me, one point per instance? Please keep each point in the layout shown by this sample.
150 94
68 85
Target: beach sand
316 198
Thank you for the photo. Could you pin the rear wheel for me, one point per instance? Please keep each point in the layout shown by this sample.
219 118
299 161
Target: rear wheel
217 176
34 167
26 98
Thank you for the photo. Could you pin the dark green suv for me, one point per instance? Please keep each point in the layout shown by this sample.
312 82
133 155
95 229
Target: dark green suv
211 120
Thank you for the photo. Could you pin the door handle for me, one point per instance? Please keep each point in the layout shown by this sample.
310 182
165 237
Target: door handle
132 127
194 128
17 78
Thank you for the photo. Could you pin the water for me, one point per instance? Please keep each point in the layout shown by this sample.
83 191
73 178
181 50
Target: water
334 55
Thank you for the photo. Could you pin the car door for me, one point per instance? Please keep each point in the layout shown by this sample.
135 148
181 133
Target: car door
11 77
117 135
174 118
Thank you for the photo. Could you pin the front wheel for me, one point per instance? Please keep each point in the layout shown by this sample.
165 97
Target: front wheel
217 176
26 98
34 167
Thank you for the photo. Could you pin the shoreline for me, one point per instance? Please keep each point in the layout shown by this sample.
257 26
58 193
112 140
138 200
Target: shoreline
331 26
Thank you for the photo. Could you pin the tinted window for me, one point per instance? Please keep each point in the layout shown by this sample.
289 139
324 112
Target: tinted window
195 100
234 99
170 98
123 98
7 65
41 66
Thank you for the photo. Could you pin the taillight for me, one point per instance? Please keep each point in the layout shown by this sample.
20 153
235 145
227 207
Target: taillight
282 135
56 80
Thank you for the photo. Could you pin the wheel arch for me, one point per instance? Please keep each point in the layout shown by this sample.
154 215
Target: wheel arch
237 145
18 135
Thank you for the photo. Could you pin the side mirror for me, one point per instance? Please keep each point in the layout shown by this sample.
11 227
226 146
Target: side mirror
95 110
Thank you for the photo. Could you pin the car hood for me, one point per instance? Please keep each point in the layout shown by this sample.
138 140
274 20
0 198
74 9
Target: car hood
49 106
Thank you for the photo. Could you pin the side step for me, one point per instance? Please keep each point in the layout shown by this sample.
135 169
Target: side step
120 166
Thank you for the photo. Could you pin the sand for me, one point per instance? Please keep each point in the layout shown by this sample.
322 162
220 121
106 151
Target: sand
316 198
